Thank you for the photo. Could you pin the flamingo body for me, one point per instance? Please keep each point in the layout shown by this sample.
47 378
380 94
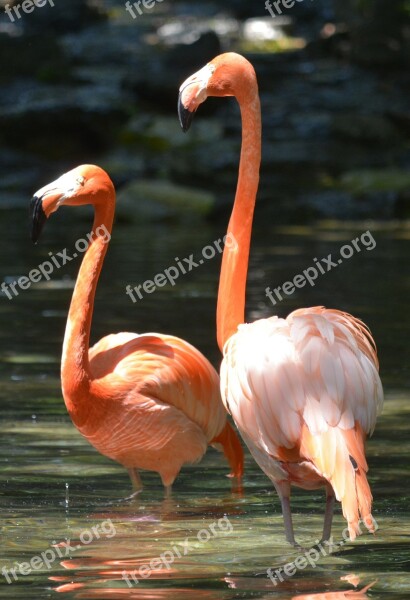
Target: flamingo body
161 398
147 401
298 390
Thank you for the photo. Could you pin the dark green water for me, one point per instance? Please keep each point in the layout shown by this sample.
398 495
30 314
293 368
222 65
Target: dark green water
54 486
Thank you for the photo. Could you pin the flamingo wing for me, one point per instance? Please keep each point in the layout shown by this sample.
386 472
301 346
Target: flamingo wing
318 367
163 367
158 402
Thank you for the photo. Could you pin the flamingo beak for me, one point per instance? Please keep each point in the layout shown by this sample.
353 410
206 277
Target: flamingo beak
185 116
48 199
38 217
192 93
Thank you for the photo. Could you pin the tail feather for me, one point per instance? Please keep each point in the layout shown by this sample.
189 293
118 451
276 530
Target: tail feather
357 504
365 498
339 456
232 448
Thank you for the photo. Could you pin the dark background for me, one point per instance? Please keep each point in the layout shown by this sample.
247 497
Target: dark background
85 82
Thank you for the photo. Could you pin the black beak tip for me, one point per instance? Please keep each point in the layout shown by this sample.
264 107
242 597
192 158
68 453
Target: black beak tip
38 218
185 116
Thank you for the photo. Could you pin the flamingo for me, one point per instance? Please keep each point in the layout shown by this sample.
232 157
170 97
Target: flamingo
303 391
148 401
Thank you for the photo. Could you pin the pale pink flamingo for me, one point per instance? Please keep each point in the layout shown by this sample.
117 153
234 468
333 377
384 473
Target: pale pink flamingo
149 401
304 391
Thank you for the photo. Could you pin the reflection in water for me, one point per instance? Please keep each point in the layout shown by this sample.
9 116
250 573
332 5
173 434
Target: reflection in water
358 594
288 589
176 593
351 578
168 549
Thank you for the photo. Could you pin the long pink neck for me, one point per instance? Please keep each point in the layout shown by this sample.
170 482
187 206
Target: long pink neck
232 282
75 369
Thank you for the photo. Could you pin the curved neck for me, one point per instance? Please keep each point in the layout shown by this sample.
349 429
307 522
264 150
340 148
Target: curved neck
75 369
232 282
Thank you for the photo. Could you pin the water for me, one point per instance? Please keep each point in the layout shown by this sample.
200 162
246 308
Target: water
54 486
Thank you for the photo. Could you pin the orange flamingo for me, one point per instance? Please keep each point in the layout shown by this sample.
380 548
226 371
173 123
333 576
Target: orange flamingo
304 391
148 401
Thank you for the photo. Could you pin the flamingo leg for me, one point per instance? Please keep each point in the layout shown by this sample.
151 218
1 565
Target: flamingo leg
135 480
327 524
283 489
287 519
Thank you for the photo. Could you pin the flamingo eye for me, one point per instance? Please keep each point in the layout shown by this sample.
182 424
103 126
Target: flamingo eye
80 180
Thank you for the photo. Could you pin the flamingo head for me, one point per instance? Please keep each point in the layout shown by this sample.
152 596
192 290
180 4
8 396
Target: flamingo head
228 74
85 184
